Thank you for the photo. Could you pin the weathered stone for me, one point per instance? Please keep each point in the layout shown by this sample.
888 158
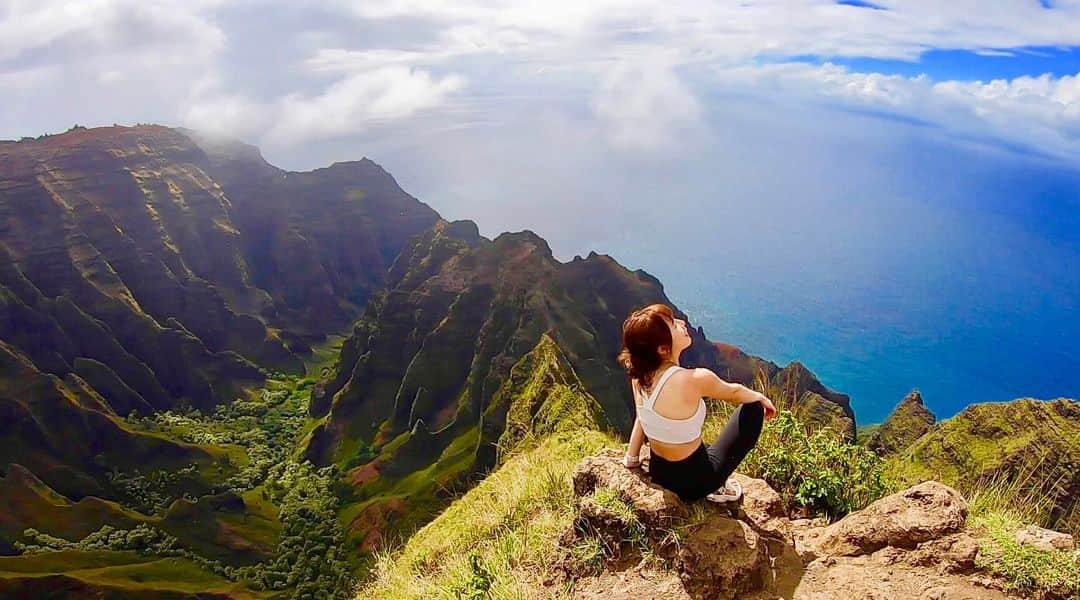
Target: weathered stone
909 545
724 558
924 512
1045 539
654 505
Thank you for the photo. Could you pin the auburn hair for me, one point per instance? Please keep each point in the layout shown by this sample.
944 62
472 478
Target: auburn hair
643 332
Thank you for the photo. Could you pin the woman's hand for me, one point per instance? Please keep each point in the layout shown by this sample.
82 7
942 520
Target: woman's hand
770 410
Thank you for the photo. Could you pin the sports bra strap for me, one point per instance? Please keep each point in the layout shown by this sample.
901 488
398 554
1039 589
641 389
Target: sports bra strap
650 400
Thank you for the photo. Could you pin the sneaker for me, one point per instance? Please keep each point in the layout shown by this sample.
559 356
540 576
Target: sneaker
731 492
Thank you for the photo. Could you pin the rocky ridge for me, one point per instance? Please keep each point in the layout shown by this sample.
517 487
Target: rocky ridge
1029 449
907 423
912 544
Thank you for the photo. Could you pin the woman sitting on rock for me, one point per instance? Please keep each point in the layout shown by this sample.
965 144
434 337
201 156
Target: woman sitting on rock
670 410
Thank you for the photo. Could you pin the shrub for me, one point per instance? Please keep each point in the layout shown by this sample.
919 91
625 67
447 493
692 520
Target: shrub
819 471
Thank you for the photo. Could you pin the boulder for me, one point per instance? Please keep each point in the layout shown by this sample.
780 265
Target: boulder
654 505
905 519
912 544
1045 539
724 558
716 555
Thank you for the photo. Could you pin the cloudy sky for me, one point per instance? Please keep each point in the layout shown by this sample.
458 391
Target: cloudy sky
787 168
300 77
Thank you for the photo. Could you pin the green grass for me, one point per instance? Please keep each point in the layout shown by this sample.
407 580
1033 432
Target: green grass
1028 571
68 560
122 569
419 490
257 433
510 522
324 354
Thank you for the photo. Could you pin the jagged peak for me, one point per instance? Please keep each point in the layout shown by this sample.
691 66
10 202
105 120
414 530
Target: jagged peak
525 236
464 229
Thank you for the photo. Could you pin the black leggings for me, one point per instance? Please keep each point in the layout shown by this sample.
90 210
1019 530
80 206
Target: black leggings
708 468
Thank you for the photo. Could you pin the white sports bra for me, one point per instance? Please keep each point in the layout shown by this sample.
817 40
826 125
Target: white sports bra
669 431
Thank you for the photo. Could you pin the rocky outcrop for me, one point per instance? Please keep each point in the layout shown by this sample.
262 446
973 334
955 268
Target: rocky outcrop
912 544
925 512
907 423
1045 539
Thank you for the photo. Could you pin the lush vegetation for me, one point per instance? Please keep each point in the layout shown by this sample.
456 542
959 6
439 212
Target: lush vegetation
818 471
998 509
1028 571
261 433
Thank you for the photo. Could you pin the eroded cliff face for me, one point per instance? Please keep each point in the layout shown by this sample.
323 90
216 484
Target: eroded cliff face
147 269
124 259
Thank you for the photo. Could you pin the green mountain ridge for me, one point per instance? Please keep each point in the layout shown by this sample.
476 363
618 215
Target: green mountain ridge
1029 447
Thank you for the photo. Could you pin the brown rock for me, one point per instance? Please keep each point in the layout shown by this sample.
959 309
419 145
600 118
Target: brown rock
764 507
880 577
654 505
724 558
918 514
1045 539
951 554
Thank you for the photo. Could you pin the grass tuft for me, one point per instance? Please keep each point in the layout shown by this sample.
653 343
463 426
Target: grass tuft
506 526
1027 571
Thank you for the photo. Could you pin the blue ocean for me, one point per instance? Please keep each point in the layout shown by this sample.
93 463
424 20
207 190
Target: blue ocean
968 299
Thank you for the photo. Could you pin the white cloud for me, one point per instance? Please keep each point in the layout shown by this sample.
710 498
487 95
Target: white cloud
351 64
359 101
645 107
150 31
1041 113
353 104
233 115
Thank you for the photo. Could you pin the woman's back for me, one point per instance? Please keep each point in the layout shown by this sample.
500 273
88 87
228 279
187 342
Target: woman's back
671 413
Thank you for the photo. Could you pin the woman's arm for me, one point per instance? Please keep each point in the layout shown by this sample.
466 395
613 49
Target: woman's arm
708 384
637 435
633 451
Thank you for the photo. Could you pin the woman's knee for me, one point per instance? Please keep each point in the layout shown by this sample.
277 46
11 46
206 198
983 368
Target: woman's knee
754 410
752 416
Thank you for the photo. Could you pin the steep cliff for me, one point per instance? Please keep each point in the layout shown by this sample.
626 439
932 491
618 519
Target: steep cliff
147 269
123 257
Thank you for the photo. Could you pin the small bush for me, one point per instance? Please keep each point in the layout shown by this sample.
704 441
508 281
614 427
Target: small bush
818 471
